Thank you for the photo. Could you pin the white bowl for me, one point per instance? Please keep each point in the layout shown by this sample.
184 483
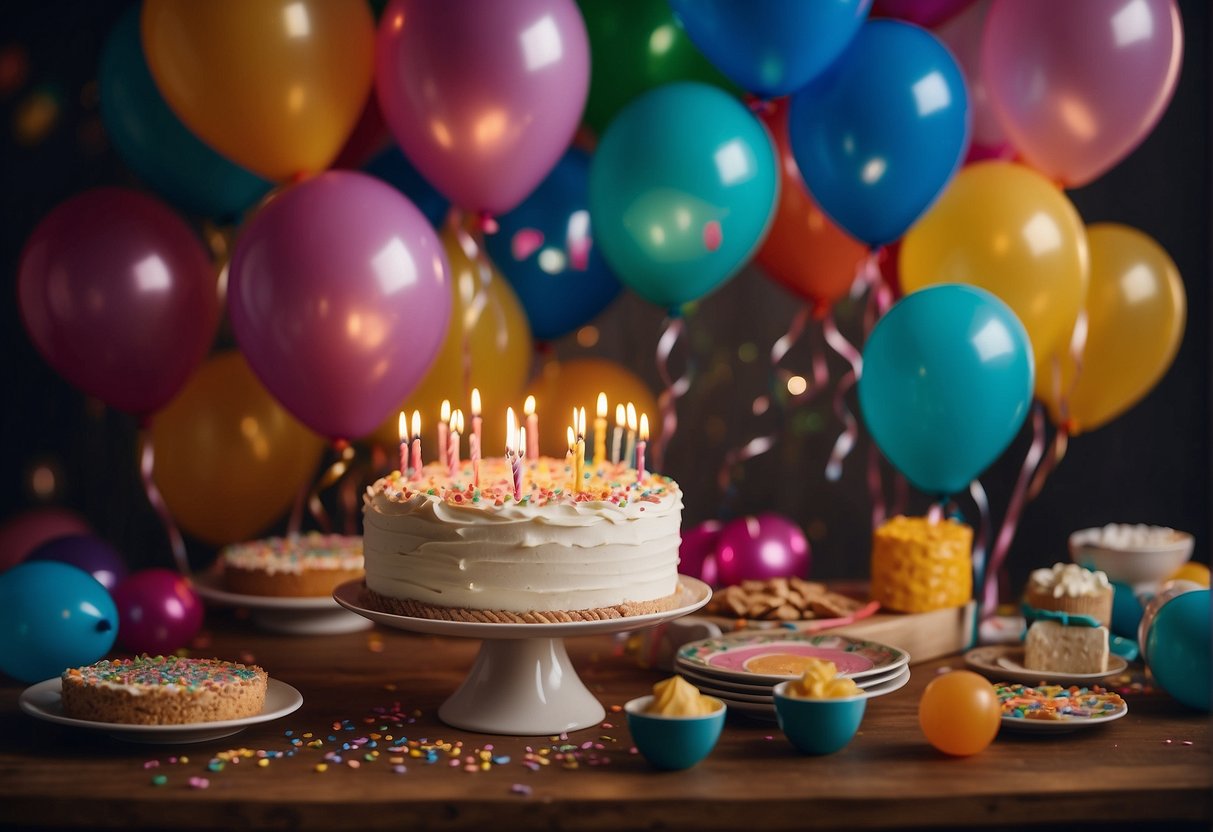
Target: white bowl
1131 554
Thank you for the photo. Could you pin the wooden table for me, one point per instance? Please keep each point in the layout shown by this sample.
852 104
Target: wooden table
1151 766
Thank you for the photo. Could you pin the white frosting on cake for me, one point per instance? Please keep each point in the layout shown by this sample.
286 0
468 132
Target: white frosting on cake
1068 580
613 543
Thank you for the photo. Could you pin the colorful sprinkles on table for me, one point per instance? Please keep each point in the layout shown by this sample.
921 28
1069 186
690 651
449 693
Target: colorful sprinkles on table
1058 703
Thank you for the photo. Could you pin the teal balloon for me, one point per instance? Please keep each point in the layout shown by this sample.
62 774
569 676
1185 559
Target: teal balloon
52 617
1126 610
683 185
946 384
1178 648
156 145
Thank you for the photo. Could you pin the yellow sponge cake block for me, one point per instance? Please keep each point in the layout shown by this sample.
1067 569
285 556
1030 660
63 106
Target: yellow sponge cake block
1054 647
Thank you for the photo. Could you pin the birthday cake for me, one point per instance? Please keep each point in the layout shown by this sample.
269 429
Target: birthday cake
553 549
300 566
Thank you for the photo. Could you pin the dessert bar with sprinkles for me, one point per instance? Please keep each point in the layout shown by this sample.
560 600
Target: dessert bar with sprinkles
1057 703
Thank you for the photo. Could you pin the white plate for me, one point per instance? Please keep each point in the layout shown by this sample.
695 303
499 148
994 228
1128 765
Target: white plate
700 679
306 616
1066 724
1004 663
42 701
731 656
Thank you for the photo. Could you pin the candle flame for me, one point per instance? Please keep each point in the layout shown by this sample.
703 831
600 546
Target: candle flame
445 411
581 423
416 423
620 418
631 416
404 427
522 440
457 421
475 401
644 427
528 407
511 431
602 406
572 440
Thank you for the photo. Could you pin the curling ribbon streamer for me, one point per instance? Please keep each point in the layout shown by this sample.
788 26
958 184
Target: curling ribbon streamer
981 538
1015 505
147 465
674 388
345 453
1061 440
846 440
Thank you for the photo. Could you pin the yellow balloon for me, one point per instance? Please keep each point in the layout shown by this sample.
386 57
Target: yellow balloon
1192 571
229 458
1136 309
563 385
1009 230
275 85
488 346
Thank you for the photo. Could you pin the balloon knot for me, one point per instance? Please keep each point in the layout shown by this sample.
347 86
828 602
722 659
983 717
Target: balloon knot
820 309
486 223
299 176
1067 426
339 445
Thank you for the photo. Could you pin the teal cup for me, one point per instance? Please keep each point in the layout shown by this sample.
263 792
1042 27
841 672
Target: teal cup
818 726
673 742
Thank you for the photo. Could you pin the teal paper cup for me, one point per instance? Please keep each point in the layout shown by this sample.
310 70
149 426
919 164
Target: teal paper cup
673 742
818 726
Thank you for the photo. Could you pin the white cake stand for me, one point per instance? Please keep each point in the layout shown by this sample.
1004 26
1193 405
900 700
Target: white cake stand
523 682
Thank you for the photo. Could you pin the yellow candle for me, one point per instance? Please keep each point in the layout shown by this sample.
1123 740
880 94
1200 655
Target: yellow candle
600 431
444 425
617 437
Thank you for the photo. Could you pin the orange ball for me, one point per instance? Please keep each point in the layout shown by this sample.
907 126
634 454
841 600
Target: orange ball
959 713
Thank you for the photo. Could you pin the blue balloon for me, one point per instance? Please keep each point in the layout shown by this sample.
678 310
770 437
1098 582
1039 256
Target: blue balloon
394 168
52 617
879 133
1126 610
1178 648
771 47
682 189
946 384
86 552
545 248
156 145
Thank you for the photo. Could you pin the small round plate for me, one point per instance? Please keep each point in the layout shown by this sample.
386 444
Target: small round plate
304 616
1002 662
43 701
700 679
694 593
740 656
1065 724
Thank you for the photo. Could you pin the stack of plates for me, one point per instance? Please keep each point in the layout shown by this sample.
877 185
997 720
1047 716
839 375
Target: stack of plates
742 669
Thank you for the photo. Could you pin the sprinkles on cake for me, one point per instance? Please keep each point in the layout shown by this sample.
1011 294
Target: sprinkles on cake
1055 702
164 671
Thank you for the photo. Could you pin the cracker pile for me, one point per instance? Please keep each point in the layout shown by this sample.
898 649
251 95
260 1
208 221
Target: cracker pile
780 599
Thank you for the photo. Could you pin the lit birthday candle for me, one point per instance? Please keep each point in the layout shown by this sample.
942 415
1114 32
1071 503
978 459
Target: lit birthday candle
444 424
568 457
579 451
600 431
631 446
403 425
532 429
453 453
522 440
476 420
416 463
617 438
641 445
511 451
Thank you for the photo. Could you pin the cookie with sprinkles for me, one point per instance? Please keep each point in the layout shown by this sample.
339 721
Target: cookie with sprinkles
1055 703
163 690
303 566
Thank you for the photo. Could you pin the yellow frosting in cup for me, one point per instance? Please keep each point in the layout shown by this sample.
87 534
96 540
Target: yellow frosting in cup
676 696
821 681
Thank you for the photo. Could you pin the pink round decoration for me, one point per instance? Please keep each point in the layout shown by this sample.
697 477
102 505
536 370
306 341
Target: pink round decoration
158 612
697 548
760 547
22 533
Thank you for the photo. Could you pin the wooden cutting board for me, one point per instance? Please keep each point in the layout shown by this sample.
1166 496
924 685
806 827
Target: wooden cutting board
924 635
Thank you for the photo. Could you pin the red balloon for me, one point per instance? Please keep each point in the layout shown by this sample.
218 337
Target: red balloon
804 250
119 297
759 547
25 532
158 612
923 12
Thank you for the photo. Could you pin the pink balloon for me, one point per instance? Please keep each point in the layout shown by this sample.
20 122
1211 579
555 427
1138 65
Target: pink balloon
1079 84
119 297
158 612
338 297
962 34
25 532
698 545
483 96
923 12
766 546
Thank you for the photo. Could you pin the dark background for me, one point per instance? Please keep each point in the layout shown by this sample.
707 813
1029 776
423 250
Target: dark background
1151 465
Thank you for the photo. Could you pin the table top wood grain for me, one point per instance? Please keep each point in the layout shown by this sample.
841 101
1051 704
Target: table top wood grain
1151 766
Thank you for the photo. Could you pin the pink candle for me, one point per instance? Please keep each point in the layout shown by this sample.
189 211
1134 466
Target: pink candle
476 420
474 451
532 428
404 444
641 445
453 453
511 451
416 450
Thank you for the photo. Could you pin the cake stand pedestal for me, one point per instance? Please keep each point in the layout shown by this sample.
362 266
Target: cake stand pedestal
522 681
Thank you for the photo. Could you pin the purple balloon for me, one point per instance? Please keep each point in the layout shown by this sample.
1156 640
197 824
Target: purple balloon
923 12
25 532
119 296
698 547
158 612
86 552
482 96
338 296
766 546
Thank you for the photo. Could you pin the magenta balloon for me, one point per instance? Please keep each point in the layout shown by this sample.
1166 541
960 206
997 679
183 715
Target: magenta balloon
483 96
338 295
698 545
760 547
963 35
158 612
23 533
923 12
1078 84
119 297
